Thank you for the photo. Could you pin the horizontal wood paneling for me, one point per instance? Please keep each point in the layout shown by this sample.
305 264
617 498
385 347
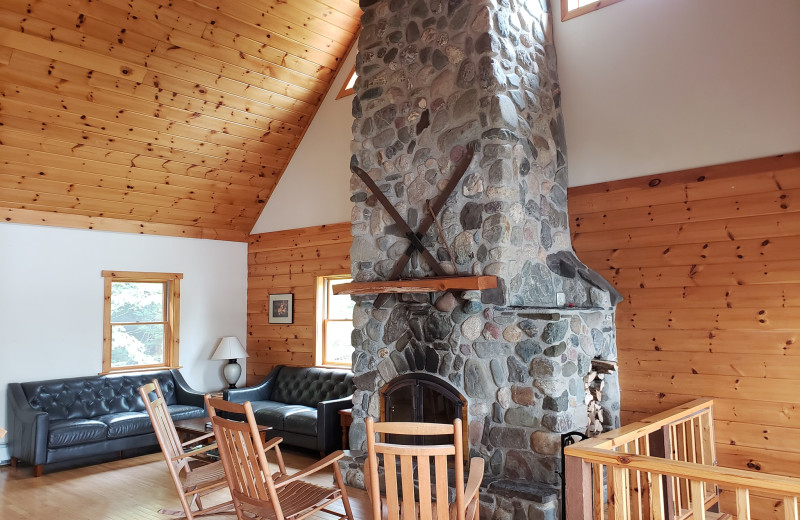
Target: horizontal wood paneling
708 263
167 116
289 262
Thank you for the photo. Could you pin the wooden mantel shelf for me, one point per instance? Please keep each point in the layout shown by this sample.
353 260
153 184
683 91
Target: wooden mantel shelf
432 284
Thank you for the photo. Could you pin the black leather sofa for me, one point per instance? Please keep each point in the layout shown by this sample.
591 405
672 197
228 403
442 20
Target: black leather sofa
66 419
301 405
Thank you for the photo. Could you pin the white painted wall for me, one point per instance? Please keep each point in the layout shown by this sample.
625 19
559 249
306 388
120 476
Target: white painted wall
51 300
315 188
652 86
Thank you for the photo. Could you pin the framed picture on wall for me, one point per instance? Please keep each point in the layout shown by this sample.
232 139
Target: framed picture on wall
280 308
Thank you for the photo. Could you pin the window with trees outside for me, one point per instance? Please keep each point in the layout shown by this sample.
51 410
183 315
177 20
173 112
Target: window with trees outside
141 315
334 323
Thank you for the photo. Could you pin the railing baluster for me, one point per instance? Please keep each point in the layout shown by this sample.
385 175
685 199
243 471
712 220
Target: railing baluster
656 497
742 504
790 508
597 492
698 504
686 497
618 496
676 483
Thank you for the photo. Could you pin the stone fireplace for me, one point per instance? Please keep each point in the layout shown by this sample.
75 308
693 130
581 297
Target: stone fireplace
435 76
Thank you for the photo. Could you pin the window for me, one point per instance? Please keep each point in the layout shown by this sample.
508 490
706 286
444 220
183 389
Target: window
334 323
140 320
574 8
348 89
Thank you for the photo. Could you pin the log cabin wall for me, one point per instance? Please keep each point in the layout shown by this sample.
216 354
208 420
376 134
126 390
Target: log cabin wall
289 262
708 261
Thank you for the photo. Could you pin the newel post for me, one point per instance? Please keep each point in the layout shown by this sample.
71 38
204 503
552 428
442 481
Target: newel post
577 499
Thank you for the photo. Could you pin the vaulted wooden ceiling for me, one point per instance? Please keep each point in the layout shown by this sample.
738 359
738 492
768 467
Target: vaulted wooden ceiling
168 117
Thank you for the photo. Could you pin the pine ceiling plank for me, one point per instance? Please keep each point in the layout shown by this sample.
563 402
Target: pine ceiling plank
164 90
241 28
26 141
92 114
44 200
269 53
348 7
223 191
293 14
67 183
167 66
5 54
66 172
344 14
248 62
216 68
19 78
275 25
160 151
113 132
202 66
197 138
50 218
69 54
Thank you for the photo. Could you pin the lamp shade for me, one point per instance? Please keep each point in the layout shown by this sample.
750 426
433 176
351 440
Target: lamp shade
229 348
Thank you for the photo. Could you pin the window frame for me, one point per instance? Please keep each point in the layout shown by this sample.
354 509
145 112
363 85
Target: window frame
567 14
323 289
344 91
172 306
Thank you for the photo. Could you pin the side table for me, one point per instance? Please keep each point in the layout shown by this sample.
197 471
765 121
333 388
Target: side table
346 419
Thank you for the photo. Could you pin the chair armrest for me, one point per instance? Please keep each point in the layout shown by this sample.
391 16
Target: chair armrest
184 393
197 439
195 451
317 466
28 428
260 392
329 424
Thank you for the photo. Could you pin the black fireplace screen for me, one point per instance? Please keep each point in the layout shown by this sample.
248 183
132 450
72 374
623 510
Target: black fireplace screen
420 398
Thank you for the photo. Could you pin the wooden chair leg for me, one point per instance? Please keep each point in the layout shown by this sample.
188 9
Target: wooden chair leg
337 475
38 469
13 462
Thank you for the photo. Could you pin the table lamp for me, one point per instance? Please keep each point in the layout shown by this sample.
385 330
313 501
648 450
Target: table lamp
229 348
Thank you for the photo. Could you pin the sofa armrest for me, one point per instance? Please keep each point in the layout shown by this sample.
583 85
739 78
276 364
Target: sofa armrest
184 393
260 392
28 428
329 424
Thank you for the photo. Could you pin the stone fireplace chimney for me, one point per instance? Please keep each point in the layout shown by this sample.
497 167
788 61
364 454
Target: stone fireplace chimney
435 76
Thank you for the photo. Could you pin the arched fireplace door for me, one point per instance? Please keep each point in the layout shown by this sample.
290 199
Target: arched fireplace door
422 398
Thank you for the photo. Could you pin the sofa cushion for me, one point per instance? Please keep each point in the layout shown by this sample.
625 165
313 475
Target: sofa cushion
180 412
93 396
301 421
273 414
125 424
69 432
310 386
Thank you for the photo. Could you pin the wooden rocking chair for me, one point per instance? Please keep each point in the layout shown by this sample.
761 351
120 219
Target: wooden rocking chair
191 483
414 499
259 494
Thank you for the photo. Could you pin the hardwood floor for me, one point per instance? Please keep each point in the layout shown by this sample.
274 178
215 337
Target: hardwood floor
129 489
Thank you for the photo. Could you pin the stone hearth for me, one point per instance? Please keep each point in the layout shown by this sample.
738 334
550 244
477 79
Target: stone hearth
433 77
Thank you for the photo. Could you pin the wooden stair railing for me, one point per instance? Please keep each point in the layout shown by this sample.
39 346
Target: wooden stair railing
664 468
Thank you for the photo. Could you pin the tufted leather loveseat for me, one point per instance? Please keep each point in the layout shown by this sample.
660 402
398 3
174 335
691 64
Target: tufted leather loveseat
66 419
301 404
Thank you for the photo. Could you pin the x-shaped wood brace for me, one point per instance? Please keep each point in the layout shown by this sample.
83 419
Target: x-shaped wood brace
416 237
